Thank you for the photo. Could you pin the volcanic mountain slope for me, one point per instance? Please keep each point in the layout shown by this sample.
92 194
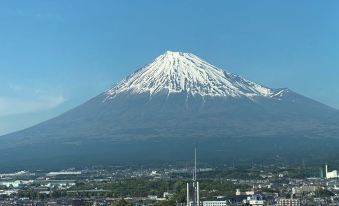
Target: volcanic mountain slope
177 98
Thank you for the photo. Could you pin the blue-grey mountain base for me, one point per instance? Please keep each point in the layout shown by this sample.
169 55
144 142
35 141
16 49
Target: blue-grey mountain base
156 114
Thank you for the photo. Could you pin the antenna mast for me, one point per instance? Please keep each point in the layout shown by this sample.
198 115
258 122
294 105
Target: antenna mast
195 164
195 197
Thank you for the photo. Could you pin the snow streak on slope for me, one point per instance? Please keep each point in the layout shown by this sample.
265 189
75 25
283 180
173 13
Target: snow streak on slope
176 72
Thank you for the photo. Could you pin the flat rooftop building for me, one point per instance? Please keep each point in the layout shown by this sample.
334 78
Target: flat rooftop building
288 202
215 203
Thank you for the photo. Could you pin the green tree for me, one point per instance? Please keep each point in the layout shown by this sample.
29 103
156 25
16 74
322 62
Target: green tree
122 202
165 203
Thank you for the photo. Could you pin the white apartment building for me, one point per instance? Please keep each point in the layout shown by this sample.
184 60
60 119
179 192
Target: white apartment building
215 203
288 202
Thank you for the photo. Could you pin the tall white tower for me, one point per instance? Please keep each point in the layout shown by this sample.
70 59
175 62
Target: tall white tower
195 185
188 194
326 171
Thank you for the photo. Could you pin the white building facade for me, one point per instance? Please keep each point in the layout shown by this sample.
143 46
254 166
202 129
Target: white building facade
330 175
288 202
215 203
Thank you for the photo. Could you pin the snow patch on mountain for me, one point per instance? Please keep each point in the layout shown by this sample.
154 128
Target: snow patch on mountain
177 72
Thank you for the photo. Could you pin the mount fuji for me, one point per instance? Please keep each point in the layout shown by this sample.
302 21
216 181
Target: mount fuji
160 110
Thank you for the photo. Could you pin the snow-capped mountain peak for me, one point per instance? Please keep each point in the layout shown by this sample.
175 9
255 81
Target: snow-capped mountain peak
177 72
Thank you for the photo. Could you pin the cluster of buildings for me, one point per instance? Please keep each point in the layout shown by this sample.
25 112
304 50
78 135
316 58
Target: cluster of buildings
269 188
193 198
12 183
322 190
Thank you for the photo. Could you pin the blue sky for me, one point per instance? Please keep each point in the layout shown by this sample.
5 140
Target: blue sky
58 54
